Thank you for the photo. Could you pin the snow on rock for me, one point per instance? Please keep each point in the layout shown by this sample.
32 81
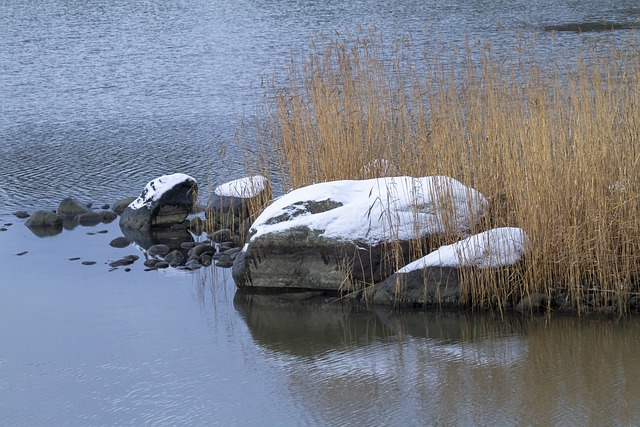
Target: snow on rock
376 210
154 190
244 187
494 248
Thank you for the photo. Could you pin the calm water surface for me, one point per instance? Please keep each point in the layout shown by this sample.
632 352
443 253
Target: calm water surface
97 98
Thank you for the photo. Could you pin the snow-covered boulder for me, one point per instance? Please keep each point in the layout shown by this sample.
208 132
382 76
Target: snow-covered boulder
165 201
231 203
314 237
434 279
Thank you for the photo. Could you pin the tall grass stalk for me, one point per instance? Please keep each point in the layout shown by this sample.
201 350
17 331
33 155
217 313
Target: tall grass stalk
556 148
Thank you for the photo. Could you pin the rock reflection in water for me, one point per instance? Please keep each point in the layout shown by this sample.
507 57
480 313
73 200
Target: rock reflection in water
146 238
383 367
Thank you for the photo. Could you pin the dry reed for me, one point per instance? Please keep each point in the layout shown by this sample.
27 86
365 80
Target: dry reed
555 147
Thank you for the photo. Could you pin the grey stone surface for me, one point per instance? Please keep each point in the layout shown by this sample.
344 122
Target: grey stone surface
44 219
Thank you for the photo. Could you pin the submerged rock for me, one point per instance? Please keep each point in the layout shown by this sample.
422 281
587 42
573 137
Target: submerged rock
44 219
165 201
22 214
70 207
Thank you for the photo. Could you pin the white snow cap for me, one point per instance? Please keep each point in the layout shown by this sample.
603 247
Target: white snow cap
156 188
376 210
494 248
242 188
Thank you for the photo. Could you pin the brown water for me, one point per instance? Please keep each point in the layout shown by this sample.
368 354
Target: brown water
97 98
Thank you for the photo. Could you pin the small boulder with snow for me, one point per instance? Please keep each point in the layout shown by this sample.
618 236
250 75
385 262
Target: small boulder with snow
231 204
314 237
435 278
165 201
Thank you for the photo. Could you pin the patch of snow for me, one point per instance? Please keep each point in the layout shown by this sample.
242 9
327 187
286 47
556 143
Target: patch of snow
380 209
156 188
494 248
243 188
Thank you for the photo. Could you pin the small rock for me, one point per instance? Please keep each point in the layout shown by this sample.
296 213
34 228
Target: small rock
8 224
224 235
127 269
105 206
193 264
119 206
203 249
151 263
88 262
44 219
224 261
71 207
3 229
74 259
22 214
121 262
162 264
103 231
22 253
107 216
205 260
159 249
120 242
175 256
131 257
188 245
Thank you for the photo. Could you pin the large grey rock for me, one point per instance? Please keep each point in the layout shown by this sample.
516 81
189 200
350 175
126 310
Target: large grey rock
344 235
300 258
165 201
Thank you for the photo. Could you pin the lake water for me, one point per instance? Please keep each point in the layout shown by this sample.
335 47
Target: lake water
97 98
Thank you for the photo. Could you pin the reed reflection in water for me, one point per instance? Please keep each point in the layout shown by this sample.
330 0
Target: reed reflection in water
382 367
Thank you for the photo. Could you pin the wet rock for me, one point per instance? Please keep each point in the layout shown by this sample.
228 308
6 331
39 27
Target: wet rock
88 262
22 214
44 219
193 264
89 219
422 287
70 207
132 257
158 249
174 257
164 202
224 261
105 206
3 229
188 245
203 249
22 253
151 262
205 260
121 262
107 216
74 259
120 242
162 264
119 206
